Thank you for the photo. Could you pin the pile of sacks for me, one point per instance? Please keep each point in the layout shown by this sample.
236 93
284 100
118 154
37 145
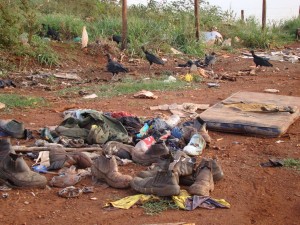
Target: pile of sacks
168 146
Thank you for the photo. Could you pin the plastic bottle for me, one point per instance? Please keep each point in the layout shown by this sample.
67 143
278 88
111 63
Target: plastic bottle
173 120
143 130
145 144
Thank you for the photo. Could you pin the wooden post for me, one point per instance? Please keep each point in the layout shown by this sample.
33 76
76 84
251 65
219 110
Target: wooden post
196 7
264 11
242 16
124 24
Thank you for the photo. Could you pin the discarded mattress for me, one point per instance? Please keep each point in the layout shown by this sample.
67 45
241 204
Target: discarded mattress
252 113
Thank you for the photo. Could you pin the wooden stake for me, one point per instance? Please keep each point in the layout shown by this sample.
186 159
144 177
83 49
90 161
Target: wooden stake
196 7
242 16
124 24
264 12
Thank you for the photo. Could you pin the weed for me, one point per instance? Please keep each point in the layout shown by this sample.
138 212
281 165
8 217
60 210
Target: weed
18 101
292 163
197 78
51 80
154 207
127 86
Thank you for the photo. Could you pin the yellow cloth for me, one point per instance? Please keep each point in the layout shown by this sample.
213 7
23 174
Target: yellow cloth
181 198
222 201
127 202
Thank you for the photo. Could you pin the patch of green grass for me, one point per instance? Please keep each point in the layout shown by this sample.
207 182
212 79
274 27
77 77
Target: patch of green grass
292 163
129 86
18 101
155 207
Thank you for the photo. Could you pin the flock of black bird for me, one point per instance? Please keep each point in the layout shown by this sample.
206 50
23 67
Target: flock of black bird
115 67
210 59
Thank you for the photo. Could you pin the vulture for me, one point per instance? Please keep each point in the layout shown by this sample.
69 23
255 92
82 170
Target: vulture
210 60
189 63
259 61
114 67
152 58
118 39
51 32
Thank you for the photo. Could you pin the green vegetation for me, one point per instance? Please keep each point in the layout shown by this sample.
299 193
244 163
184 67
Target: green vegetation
155 207
157 26
292 163
129 86
14 101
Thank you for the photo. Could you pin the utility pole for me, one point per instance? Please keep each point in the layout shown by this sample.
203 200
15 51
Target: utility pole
196 9
242 16
264 12
124 24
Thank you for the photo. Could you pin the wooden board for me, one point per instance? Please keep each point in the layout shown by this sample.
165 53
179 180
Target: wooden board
229 116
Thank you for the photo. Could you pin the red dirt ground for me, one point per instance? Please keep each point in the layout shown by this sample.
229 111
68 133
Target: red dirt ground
257 195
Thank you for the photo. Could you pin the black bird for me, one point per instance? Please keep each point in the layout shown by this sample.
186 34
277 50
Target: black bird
114 67
152 58
118 39
210 60
259 61
189 63
51 32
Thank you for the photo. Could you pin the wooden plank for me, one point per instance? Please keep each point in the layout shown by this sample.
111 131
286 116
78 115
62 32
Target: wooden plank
48 148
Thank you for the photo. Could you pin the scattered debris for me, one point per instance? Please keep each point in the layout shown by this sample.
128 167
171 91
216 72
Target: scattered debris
181 110
5 195
170 79
271 90
2 105
213 85
175 51
188 77
279 141
7 83
273 163
90 96
70 192
69 76
145 94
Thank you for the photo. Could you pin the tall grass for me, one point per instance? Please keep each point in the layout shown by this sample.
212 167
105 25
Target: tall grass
157 26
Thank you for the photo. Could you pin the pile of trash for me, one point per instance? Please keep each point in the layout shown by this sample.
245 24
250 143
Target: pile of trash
92 143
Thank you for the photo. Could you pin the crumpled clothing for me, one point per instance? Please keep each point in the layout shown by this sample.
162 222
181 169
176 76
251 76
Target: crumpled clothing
129 201
183 201
77 113
187 202
94 127
121 114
